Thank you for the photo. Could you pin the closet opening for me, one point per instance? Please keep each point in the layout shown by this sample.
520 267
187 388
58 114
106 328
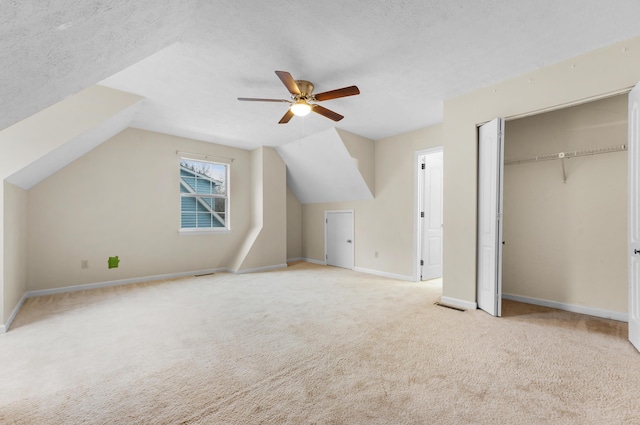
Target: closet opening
565 209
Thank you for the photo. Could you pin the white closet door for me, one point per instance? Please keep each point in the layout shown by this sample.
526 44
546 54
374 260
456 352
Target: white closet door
432 222
490 172
634 216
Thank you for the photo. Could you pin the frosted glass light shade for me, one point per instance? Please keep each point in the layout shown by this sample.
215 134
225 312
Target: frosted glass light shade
300 108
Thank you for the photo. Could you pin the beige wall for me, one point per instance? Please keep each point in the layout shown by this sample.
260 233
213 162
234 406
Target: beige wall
31 139
268 247
122 199
15 247
362 150
594 74
566 242
294 226
386 224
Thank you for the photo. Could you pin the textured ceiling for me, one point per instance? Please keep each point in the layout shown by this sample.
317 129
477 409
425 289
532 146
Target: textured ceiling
192 59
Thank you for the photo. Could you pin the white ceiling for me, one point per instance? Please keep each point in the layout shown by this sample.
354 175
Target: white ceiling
191 59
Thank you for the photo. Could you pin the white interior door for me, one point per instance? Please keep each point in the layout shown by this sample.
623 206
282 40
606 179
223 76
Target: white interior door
634 216
490 174
339 238
432 220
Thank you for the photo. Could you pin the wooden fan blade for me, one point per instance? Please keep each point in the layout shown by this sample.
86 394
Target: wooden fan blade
288 82
255 99
326 113
285 119
334 94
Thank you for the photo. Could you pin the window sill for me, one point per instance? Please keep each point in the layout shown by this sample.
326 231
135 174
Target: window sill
217 231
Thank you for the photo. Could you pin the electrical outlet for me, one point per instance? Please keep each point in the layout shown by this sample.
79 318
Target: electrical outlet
375 254
84 264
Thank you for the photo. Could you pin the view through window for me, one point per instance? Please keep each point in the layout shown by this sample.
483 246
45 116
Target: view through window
204 198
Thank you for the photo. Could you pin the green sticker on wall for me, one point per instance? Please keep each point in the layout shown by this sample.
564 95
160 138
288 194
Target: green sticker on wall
113 262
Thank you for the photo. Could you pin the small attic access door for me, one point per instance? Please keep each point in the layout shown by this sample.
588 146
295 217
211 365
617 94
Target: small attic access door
339 246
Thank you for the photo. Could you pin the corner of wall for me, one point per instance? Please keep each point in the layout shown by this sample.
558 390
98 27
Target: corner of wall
266 242
13 249
294 225
362 150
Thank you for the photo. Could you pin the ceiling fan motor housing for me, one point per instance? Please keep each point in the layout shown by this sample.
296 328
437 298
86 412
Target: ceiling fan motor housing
306 89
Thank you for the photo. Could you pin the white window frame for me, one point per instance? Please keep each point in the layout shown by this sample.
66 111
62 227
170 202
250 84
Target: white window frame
227 221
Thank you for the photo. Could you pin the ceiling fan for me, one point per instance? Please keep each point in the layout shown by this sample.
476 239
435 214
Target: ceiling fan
302 96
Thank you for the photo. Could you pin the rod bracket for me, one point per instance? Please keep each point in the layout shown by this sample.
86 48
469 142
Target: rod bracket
561 155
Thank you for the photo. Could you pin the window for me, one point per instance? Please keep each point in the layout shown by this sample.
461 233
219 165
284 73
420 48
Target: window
204 197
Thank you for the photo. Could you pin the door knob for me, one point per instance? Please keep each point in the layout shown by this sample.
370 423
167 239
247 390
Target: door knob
636 251
348 240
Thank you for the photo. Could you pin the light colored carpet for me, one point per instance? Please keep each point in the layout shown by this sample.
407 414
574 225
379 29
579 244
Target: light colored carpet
308 345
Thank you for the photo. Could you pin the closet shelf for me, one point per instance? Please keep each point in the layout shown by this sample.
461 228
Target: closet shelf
566 155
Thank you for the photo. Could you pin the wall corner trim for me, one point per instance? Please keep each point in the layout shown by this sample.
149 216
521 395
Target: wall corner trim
4 328
312 261
459 303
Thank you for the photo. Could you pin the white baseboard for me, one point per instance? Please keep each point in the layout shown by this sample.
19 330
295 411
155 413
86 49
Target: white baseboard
291 260
260 269
368 271
384 274
467 305
312 261
606 314
4 328
120 282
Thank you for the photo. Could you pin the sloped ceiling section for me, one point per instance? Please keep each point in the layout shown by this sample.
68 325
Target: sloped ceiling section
37 147
54 49
320 169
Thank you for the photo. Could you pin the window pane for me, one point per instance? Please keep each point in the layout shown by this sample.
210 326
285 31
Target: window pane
191 181
208 201
220 205
204 186
217 222
201 206
204 179
220 189
204 220
188 204
188 220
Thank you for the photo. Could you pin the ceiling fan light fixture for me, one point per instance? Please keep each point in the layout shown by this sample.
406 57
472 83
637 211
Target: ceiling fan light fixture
300 108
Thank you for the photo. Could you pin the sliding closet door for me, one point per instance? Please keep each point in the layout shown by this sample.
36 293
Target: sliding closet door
490 172
634 217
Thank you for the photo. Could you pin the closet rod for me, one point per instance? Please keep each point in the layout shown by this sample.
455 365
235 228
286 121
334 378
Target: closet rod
566 155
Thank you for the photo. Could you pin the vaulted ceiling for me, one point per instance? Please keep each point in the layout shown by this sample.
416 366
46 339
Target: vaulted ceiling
191 59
